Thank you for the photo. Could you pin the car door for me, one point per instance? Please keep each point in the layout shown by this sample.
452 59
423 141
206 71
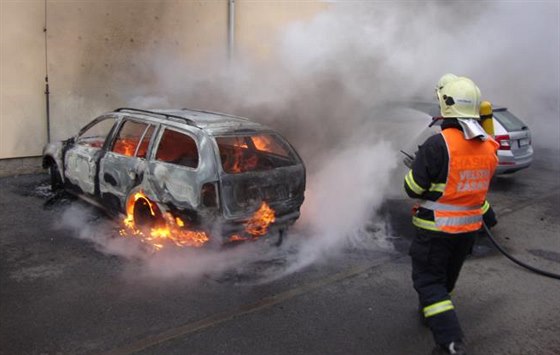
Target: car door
81 159
174 169
122 166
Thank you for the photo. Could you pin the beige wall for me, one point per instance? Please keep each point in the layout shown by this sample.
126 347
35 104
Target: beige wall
101 53
258 23
22 74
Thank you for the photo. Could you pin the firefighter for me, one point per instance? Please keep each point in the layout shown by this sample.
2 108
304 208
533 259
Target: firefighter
450 175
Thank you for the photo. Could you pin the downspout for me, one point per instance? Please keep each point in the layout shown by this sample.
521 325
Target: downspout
231 29
47 92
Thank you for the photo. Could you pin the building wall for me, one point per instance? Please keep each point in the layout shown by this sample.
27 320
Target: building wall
22 78
103 53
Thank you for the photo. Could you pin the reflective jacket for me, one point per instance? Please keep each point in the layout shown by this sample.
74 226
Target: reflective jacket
452 175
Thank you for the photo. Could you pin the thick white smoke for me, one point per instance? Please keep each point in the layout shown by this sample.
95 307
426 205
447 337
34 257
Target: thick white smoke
323 85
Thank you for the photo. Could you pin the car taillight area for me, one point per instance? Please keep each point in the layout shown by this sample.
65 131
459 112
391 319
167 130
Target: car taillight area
504 141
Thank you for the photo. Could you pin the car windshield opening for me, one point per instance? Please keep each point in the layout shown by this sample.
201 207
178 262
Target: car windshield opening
257 152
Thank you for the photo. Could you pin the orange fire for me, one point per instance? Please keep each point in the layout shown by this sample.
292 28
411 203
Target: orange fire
257 225
125 146
259 222
171 230
262 143
241 160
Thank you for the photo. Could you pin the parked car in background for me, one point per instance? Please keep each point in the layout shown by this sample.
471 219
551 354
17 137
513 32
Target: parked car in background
186 171
511 133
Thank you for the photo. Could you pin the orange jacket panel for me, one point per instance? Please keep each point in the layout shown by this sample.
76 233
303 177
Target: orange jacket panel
471 166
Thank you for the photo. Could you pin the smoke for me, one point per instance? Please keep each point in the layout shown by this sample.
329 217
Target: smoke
169 263
327 79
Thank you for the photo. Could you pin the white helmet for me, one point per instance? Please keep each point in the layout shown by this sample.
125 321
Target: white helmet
445 78
459 98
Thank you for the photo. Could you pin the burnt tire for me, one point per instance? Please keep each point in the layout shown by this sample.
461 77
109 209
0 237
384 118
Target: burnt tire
143 217
56 178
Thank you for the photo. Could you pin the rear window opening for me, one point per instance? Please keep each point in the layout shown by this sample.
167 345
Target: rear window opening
258 152
510 122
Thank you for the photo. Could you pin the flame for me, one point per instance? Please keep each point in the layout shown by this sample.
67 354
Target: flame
171 231
125 146
241 160
238 238
174 230
259 222
262 143
257 225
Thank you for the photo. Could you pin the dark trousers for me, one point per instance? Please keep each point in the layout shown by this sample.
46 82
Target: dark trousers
437 259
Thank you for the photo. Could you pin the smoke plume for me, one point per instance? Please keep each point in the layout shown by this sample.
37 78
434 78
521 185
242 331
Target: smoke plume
324 85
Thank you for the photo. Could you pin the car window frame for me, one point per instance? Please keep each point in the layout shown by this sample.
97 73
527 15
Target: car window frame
123 120
110 135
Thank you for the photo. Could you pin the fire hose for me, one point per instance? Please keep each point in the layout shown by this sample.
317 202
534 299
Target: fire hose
518 262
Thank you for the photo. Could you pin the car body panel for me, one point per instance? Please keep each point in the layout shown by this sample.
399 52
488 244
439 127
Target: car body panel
520 154
244 192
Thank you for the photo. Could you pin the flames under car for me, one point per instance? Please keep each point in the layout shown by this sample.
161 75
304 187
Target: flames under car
183 177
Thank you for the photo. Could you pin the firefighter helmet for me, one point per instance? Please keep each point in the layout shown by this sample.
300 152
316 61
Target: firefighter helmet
459 98
445 78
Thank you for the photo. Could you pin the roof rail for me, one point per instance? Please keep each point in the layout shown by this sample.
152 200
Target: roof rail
166 115
215 113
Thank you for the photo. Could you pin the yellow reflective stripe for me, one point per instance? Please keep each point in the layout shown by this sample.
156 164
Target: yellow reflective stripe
409 179
437 187
438 308
425 224
485 207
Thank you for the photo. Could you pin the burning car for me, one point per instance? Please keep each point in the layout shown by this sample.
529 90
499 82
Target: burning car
185 176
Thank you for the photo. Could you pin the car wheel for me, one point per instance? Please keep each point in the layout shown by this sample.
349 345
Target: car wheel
56 179
146 215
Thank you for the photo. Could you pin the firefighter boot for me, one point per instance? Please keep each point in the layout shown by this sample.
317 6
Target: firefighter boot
455 347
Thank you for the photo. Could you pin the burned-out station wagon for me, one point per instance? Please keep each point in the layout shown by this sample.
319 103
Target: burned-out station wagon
202 176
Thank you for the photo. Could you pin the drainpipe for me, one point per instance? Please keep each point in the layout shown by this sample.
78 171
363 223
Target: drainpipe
231 28
47 92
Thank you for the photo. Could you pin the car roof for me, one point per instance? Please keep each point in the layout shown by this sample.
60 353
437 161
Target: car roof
211 122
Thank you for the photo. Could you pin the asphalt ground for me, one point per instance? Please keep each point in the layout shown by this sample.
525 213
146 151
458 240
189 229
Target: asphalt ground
63 294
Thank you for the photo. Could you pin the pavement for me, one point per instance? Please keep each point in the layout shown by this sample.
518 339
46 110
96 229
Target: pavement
61 292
